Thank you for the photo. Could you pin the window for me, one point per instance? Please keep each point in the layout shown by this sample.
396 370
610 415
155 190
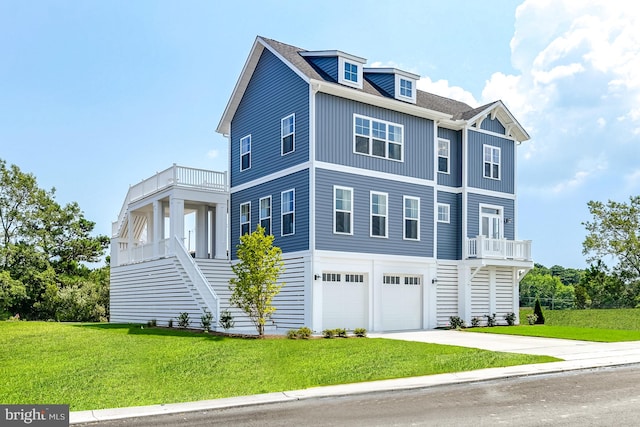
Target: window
406 88
288 212
331 277
491 221
245 152
245 218
491 162
443 155
411 218
350 72
287 132
378 214
411 280
391 280
265 214
354 278
343 210
443 213
377 138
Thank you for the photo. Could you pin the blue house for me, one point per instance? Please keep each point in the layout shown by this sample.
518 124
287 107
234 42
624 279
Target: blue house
394 208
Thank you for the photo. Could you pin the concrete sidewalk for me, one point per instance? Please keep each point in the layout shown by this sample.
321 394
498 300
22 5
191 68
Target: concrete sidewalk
576 354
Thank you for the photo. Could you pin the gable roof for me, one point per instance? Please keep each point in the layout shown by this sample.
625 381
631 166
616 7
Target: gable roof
457 113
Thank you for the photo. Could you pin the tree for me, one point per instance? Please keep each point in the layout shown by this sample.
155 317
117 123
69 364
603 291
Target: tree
257 272
615 232
537 310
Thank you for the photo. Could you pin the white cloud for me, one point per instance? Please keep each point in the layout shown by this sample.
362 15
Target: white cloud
442 88
213 154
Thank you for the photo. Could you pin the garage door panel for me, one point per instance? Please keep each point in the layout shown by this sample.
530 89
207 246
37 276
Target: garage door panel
401 302
345 300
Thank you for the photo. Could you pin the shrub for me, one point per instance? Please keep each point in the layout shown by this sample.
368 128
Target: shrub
341 332
170 323
475 322
304 333
538 312
510 318
152 323
183 320
328 333
531 318
360 332
205 320
292 334
226 320
456 322
491 320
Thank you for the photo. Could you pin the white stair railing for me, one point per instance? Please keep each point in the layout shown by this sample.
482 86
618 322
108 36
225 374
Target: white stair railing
201 284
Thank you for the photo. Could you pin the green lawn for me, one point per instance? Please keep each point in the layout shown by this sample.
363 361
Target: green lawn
92 366
606 325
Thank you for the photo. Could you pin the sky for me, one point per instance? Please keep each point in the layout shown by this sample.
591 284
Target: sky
98 95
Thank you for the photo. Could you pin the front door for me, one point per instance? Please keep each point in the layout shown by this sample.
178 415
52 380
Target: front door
491 228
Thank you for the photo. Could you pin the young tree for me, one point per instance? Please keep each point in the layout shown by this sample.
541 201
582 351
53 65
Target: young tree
257 272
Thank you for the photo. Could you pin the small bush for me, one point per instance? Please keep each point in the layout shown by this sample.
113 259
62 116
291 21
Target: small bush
170 323
531 318
360 332
510 318
538 312
183 320
226 320
292 334
205 320
341 332
475 322
152 323
304 333
491 320
456 322
328 333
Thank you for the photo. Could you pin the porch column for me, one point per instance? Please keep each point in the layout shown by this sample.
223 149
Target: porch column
158 228
201 232
176 221
492 291
130 236
221 231
464 293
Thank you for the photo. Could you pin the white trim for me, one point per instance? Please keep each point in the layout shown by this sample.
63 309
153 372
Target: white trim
374 174
249 217
385 215
312 177
339 187
398 88
270 217
244 154
283 136
342 61
330 53
270 177
387 141
482 192
448 213
496 134
405 218
346 258
282 212
448 172
500 209
491 162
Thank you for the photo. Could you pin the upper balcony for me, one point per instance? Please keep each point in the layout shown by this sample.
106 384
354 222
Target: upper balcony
485 247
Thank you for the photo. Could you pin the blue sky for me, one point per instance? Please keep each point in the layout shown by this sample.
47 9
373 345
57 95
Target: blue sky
97 95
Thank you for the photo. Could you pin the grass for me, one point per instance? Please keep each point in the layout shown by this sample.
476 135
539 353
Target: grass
93 366
602 325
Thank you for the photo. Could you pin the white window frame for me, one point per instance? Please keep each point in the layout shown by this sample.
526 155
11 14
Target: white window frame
384 215
405 218
336 210
248 204
491 162
499 215
289 132
287 212
370 138
269 216
342 62
247 153
448 156
446 212
399 81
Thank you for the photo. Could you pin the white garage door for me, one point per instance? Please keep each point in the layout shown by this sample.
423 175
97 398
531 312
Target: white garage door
345 300
401 302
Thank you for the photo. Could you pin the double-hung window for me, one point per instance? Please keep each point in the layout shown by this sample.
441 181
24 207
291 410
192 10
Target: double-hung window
288 209
245 152
444 213
245 218
287 133
443 155
411 218
378 138
343 210
491 161
406 88
379 213
265 214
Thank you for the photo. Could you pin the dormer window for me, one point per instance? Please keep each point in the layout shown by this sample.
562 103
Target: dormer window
349 72
406 88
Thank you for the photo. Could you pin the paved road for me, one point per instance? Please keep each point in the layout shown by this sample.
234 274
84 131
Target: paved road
596 397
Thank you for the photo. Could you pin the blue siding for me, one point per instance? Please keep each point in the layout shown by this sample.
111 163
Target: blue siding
327 67
454 177
274 92
473 214
298 181
335 136
492 126
506 182
385 82
361 241
449 235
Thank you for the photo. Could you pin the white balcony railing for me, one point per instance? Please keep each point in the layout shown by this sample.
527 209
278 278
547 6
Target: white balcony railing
139 253
485 247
